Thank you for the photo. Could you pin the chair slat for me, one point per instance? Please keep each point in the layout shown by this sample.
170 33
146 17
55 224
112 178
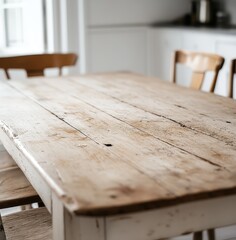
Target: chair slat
197 80
231 78
200 63
34 65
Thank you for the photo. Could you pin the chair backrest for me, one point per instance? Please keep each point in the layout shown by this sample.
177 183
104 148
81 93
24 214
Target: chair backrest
200 63
34 65
231 78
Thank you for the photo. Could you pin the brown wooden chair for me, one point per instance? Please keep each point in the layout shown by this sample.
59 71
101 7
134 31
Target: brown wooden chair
34 65
231 78
200 63
34 224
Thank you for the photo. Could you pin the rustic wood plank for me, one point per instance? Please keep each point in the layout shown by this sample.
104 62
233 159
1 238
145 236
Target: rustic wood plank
161 89
214 116
86 114
203 146
35 224
68 160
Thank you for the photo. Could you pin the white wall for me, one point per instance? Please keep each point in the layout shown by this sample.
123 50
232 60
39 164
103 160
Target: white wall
110 12
72 29
115 14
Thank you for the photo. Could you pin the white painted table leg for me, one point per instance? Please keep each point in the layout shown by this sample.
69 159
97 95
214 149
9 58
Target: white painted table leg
71 227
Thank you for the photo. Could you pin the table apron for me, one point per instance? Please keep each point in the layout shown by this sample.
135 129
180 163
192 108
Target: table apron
148 225
173 221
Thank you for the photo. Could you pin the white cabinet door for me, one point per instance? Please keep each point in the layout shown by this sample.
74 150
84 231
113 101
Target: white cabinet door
164 44
197 41
227 48
117 49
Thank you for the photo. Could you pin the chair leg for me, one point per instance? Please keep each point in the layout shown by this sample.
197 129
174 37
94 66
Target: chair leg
211 234
197 236
2 232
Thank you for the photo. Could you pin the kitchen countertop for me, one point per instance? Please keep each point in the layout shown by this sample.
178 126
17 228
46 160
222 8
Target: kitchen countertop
217 30
214 30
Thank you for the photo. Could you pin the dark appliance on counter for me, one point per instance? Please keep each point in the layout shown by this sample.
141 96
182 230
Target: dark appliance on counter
202 12
208 13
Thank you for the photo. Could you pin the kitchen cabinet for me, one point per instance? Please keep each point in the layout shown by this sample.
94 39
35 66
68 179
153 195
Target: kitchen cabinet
225 46
164 43
197 41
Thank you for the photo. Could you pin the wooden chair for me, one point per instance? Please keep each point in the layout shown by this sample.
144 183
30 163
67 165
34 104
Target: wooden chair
231 78
34 224
200 63
15 188
34 65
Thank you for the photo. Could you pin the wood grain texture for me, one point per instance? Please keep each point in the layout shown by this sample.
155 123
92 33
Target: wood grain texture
114 143
35 224
16 189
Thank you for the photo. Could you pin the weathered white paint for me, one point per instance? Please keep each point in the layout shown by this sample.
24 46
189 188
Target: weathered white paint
173 221
58 218
70 227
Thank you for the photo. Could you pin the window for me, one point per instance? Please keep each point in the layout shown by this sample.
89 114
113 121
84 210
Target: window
22 27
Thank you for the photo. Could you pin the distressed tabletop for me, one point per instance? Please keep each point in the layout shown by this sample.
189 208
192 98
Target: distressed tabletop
114 143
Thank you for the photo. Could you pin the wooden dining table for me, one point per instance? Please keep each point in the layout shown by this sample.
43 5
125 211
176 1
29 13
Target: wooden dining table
123 156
